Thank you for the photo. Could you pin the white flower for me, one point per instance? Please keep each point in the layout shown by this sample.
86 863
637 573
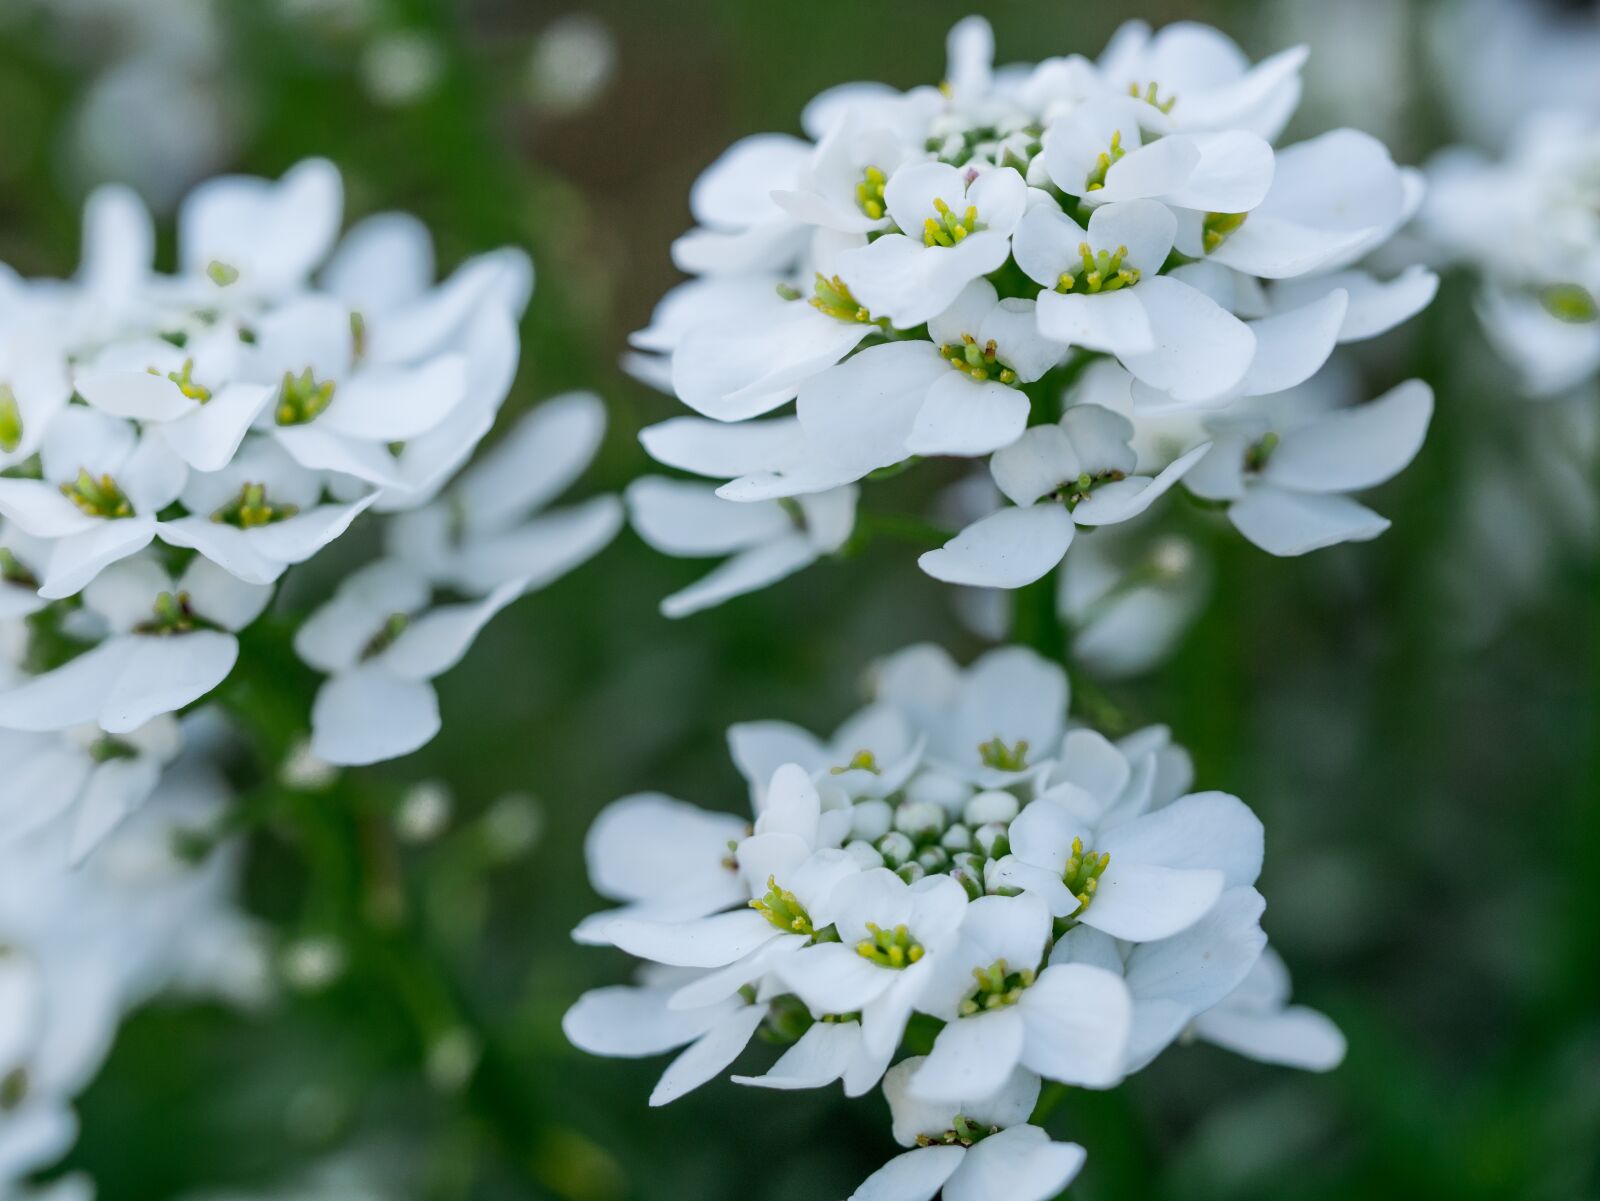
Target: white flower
1079 472
1257 1020
767 541
957 227
1103 292
169 644
491 525
741 226
381 644
83 776
891 939
1129 598
994 723
103 486
1287 492
970 1149
1090 850
871 755
635 1022
1068 1022
1197 78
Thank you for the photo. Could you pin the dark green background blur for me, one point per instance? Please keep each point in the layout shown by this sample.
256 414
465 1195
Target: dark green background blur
1413 719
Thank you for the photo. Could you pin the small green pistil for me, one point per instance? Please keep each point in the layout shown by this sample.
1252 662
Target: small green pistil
13 1089
969 358
1571 303
10 420
947 228
869 193
185 381
97 497
1102 271
251 508
860 761
1216 228
833 298
1256 457
1082 874
997 988
106 748
358 336
303 399
783 910
172 616
963 1132
1096 179
1072 493
393 626
222 274
13 572
996 754
1151 97
890 948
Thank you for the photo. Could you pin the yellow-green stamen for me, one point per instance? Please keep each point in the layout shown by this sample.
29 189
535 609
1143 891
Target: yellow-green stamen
997 988
1151 97
10 420
783 909
947 228
302 398
1096 179
889 948
979 362
869 193
184 378
1081 874
1216 228
251 508
833 298
996 754
1101 271
98 497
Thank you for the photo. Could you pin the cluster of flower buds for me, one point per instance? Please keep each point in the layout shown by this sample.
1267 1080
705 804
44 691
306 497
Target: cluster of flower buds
172 444
927 273
961 885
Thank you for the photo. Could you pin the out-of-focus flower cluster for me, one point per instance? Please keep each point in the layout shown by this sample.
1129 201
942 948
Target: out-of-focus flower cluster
957 895
172 444
79 949
927 273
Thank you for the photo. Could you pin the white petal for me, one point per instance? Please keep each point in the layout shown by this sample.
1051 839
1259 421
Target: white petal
1201 831
1113 322
1019 1164
714 1051
1292 346
208 437
1007 549
629 1022
899 278
679 517
1355 448
163 674
1201 350
746 572
833 978
1146 228
972 1056
1036 464
1296 1037
39 509
706 942
1232 174
536 460
391 404
1123 500
1375 306
219 596
78 558
67 696
912 1176
861 412
1288 523
439 639
369 714
718 450
1139 902
820 1056
1205 963
1077 1020
962 416
135 394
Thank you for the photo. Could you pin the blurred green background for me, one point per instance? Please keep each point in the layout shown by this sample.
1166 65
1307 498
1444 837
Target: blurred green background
1415 719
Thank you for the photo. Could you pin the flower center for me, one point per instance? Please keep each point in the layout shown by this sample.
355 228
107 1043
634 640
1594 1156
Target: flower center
969 358
1081 875
106 748
13 572
1216 228
98 497
890 948
10 420
1096 179
251 508
222 274
13 1089
1567 302
393 626
1073 492
185 381
860 761
869 192
302 398
1102 271
783 909
947 228
832 296
1151 96
963 1132
172 616
997 988
1256 456
996 754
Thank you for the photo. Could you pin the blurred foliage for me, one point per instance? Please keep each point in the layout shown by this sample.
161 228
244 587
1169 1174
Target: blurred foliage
1432 802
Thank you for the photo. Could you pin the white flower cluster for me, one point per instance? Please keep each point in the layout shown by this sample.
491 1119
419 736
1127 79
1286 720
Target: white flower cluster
925 273
79 949
171 444
1536 247
957 895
